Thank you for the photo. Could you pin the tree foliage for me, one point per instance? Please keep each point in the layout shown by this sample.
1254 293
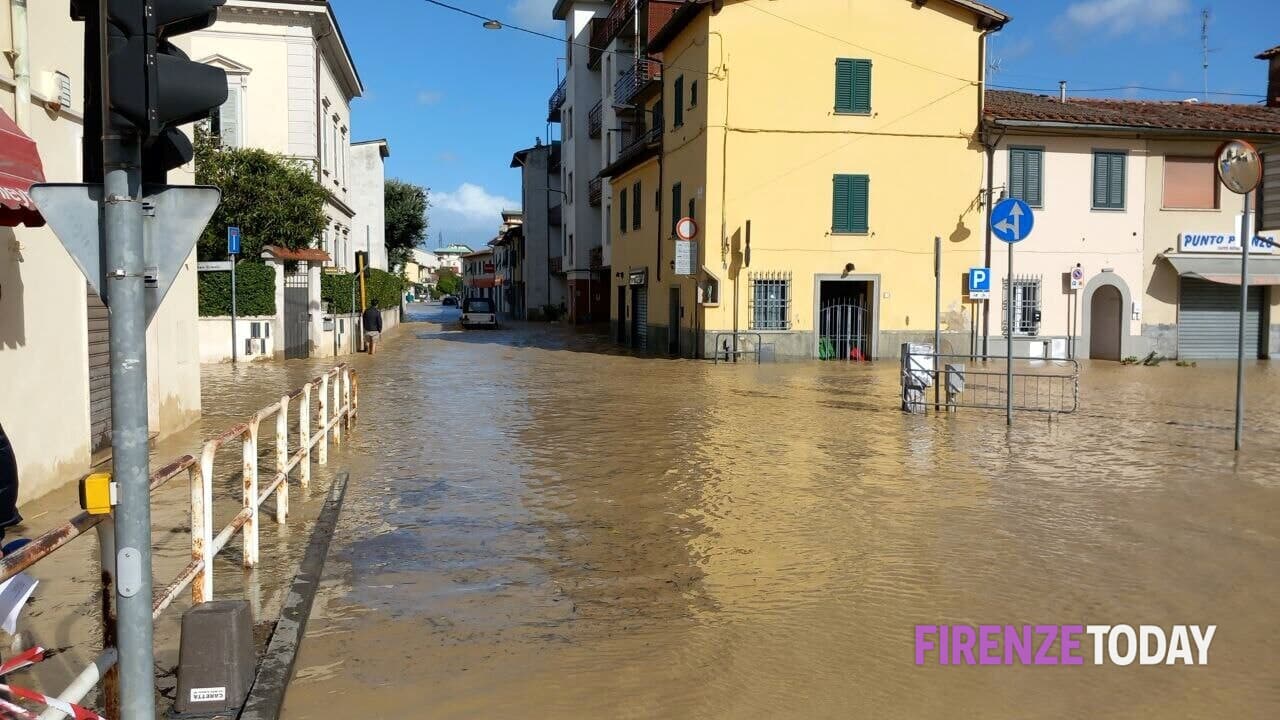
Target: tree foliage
448 282
272 199
255 291
383 287
406 219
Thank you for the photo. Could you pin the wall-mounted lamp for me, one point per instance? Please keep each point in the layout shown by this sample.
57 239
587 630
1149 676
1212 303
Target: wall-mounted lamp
848 268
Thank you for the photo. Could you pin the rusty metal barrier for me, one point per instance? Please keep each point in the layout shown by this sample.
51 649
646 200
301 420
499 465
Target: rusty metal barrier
338 400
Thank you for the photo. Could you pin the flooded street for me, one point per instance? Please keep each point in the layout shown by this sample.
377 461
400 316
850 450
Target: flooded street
540 526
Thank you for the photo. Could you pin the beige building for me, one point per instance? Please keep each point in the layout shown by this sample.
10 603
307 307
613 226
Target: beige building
291 82
55 401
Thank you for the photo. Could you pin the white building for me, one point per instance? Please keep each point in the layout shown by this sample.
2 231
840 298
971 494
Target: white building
368 199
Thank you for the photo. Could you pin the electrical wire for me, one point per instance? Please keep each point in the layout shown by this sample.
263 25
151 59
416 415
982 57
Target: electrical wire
535 33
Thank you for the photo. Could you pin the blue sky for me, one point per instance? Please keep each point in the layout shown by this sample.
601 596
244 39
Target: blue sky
455 100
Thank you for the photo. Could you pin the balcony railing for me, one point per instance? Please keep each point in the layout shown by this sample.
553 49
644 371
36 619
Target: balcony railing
599 41
634 80
597 258
595 188
619 18
556 265
594 119
556 102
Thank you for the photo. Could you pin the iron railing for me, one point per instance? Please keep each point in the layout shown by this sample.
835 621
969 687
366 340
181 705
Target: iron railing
595 119
619 18
556 101
599 41
743 343
338 407
556 265
597 258
595 191
643 72
951 382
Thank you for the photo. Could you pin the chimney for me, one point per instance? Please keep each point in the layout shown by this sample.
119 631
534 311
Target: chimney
1272 56
1062 91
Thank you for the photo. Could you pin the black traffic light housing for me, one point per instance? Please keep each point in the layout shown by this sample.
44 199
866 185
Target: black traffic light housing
153 86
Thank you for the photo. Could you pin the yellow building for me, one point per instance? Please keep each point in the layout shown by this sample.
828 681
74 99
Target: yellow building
820 146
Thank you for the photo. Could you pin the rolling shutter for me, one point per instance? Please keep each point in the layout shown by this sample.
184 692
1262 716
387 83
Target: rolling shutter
642 318
853 86
99 373
1209 317
850 204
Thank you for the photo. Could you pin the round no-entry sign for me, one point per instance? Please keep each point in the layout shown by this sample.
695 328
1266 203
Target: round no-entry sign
687 228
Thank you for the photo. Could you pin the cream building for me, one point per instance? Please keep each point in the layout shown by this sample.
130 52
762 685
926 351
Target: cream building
291 80
55 397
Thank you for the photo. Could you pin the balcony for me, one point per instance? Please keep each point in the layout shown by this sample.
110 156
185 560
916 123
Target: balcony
597 258
595 189
599 41
633 81
619 21
595 119
556 265
556 102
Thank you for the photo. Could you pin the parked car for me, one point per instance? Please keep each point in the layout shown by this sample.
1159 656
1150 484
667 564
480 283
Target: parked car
479 312
449 301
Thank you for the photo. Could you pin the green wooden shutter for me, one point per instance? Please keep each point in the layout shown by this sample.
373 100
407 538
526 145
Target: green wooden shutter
635 207
850 204
1101 171
840 204
1018 173
1109 180
859 204
679 109
1115 189
675 206
853 85
1035 178
622 210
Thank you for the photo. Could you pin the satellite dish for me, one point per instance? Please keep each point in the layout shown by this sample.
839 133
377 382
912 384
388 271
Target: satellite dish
1239 167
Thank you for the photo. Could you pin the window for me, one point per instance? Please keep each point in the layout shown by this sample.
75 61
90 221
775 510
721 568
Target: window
568 124
1026 307
1026 175
850 204
770 301
622 210
324 143
693 207
693 94
635 206
853 86
675 207
1190 184
227 120
1108 180
678 120
568 191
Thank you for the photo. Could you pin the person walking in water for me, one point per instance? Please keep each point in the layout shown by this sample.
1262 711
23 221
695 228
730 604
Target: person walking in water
372 320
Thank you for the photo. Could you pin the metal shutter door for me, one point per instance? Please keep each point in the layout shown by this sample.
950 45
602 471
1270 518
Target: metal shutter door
1208 318
642 318
99 373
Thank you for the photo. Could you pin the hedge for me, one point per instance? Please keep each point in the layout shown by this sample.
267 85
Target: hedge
255 291
382 286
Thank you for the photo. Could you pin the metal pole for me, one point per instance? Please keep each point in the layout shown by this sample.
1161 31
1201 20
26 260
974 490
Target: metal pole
937 322
1246 239
986 252
107 555
1008 342
233 307
126 283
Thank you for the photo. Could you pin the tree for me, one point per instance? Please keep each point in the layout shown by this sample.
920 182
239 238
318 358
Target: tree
406 219
272 199
448 282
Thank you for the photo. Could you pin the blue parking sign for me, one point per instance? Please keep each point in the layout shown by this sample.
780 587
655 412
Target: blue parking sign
233 241
979 283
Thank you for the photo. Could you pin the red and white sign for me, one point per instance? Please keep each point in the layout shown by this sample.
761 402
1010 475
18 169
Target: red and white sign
489 268
687 228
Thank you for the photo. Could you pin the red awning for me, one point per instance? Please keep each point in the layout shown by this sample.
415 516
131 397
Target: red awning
20 168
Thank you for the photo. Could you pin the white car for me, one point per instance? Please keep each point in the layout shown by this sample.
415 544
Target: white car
479 312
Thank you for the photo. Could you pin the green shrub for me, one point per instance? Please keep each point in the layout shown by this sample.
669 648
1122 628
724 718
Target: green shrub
255 291
387 289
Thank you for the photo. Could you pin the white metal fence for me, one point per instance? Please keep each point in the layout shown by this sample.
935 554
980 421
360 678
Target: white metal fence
337 393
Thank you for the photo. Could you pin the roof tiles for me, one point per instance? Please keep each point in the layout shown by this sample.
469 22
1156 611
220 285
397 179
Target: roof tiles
1005 105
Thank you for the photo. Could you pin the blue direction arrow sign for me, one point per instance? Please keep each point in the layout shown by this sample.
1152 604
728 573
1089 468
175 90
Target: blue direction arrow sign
1012 220
233 241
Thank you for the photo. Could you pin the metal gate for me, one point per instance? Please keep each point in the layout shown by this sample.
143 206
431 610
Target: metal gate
1209 320
844 331
297 316
99 372
640 318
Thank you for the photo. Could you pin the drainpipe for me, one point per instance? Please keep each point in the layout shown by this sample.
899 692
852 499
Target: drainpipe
21 64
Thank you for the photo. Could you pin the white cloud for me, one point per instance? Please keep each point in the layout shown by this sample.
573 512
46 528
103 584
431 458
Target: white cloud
430 97
470 206
1117 17
534 14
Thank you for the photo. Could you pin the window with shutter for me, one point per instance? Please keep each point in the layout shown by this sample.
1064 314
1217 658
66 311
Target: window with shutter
678 119
1026 177
635 207
228 118
853 86
622 210
850 204
675 206
1108 180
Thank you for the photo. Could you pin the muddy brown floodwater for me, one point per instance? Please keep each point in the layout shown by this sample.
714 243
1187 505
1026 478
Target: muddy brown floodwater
540 526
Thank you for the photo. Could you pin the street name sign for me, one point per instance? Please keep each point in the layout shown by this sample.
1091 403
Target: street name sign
979 283
1012 220
214 266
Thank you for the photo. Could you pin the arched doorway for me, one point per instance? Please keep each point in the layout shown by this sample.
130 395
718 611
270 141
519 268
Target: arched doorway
1106 322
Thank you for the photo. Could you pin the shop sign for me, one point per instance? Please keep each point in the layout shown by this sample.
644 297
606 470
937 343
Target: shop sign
1193 242
638 277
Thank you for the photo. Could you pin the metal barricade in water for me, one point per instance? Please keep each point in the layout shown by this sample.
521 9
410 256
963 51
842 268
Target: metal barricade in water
948 383
338 405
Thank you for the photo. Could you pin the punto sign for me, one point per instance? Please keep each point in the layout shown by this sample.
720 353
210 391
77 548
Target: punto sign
1195 242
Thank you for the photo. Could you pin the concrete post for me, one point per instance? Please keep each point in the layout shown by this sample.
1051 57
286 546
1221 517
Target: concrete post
277 325
316 310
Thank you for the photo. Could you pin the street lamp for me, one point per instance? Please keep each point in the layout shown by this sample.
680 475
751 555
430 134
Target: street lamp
492 25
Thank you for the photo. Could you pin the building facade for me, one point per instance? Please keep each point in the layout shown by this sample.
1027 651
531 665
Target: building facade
808 176
368 199
544 292
291 80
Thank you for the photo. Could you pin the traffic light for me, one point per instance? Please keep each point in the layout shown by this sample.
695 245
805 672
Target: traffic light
153 86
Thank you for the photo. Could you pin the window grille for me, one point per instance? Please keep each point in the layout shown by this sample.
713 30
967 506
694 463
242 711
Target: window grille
770 301
1026 306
